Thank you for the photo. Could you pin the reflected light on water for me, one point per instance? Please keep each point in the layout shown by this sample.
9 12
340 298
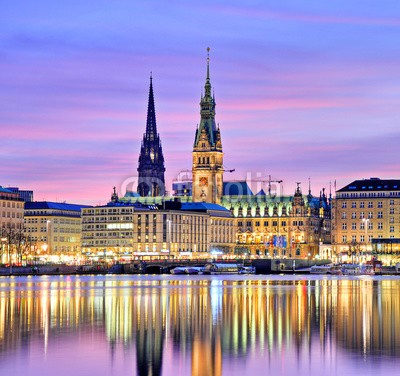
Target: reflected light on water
138 325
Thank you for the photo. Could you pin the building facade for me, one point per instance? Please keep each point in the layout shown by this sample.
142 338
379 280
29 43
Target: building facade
268 225
151 160
123 231
207 164
367 221
53 230
107 231
11 226
190 229
280 226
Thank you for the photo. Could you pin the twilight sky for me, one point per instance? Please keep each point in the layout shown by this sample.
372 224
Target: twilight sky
304 88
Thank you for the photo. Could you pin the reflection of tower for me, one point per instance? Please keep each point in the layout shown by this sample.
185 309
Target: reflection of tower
206 355
207 153
150 338
151 160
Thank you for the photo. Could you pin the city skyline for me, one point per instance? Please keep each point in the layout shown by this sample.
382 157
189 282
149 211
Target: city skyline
302 90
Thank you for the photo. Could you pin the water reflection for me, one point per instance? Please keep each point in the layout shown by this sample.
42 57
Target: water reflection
199 326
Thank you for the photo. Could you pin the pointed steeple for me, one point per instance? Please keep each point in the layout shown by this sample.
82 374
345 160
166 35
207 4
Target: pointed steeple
151 125
207 167
207 111
309 196
207 86
151 160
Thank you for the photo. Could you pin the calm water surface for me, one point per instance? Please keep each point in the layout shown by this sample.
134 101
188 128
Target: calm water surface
203 325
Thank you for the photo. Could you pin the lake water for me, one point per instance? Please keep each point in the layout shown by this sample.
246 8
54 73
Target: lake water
202 325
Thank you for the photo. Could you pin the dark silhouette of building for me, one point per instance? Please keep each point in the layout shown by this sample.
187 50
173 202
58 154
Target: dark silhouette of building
151 160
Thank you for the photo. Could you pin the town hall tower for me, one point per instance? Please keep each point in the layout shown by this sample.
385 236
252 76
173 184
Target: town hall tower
207 165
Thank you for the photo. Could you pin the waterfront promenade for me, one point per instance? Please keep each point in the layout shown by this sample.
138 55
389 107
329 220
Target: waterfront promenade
164 266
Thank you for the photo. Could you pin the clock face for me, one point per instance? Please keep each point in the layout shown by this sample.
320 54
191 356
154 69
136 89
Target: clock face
203 181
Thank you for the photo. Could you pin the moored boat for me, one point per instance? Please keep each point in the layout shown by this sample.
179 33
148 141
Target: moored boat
178 270
247 270
221 268
335 270
194 270
358 269
320 269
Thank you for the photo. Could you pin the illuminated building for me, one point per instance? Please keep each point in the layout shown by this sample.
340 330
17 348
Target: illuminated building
207 167
279 226
107 231
11 224
367 220
53 229
123 229
183 229
266 224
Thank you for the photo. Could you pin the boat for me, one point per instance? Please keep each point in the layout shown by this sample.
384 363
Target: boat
335 270
194 270
351 269
220 268
358 269
178 270
247 270
320 269
367 269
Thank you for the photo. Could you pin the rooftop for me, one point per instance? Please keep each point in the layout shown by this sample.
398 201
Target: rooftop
372 184
202 206
45 205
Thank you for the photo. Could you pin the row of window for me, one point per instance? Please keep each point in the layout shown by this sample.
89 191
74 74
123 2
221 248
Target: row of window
370 194
362 204
361 238
75 230
12 204
370 215
273 223
362 226
12 214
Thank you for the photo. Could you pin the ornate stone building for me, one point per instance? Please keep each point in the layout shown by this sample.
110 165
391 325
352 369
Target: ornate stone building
207 167
280 226
151 160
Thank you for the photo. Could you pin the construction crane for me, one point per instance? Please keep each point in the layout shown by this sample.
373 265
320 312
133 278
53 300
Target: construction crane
269 181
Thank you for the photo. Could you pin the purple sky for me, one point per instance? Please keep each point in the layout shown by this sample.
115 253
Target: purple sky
303 88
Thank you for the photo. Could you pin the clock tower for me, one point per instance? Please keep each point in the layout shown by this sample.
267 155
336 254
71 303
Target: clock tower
151 160
207 165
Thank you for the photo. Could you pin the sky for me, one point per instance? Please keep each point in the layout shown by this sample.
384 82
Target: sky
304 89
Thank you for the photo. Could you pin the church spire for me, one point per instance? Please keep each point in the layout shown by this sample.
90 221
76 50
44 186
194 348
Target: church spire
151 125
151 160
